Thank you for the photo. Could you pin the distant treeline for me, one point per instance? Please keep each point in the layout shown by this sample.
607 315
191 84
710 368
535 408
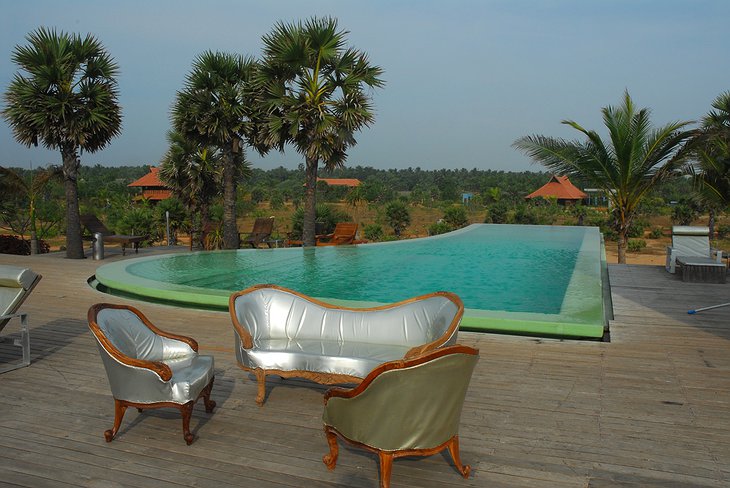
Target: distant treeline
379 185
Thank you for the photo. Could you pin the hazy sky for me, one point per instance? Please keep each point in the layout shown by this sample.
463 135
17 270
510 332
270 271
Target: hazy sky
464 79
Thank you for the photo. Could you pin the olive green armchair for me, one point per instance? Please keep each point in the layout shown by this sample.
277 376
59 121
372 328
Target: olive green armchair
403 408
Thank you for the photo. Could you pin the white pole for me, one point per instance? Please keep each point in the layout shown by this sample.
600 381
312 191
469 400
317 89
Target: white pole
167 226
692 312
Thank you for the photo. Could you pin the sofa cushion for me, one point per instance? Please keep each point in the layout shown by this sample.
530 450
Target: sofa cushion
332 357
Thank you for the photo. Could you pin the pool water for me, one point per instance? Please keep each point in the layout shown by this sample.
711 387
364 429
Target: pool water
508 274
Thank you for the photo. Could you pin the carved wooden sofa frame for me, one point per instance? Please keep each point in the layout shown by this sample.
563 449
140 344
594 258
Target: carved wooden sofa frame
443 307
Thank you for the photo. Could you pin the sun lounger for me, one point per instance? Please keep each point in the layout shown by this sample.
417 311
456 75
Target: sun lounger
95 226
16 284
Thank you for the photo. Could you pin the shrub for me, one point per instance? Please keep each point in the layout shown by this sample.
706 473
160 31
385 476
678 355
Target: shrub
636 245
397 216
456 217
438 228
16 245
276 200
326 216
373 232
723 231
637 228
497 213
656 233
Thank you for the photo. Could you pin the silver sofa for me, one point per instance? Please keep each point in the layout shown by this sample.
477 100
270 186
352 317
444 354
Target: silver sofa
282 332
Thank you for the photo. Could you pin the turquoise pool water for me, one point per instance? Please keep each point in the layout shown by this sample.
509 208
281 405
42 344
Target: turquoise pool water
507 273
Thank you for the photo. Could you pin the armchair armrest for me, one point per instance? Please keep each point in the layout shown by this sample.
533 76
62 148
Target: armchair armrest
160 369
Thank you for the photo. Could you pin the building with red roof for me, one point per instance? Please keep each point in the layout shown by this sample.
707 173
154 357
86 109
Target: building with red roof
153 189
561 188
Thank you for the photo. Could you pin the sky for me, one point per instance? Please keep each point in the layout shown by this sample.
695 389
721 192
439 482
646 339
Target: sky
464 79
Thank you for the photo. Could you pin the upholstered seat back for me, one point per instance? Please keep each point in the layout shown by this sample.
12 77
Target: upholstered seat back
130 335
414 407
273 313
15 282
691 241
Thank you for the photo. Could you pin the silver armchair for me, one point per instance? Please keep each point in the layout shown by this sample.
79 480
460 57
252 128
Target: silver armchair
16 284
403 408
147 367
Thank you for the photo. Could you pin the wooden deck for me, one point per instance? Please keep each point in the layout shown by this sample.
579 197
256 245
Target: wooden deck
649 409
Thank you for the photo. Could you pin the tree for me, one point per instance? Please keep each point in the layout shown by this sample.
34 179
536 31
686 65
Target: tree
314 97
710 152
30 190
631 163
193 173
216 108
397 216
65 97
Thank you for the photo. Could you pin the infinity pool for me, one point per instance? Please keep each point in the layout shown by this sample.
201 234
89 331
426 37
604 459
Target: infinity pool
545 280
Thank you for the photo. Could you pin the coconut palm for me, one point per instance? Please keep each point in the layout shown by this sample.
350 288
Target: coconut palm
627 166
709 153
65 97
216 108
314 96
710 149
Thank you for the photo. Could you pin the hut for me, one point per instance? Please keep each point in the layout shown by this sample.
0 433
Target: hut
561 188
153 189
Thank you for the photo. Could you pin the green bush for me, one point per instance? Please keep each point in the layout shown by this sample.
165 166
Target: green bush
326 216
656 233
636 245
723 231
456 216
397 216
637 228
438 228
373 232
497 213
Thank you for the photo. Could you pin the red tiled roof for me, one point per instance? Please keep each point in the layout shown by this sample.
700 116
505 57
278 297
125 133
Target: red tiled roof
340 181
558 187
150 180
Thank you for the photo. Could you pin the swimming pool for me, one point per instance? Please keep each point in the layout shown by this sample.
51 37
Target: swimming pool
545 280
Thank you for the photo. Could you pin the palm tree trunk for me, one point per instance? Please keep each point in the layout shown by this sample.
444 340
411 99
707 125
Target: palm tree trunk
711 223
74 244
230 227
622 245
310 203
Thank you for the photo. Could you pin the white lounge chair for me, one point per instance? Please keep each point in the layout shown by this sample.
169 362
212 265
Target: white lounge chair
15 285
691 242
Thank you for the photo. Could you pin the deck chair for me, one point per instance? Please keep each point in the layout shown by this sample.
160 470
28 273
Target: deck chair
403 408
16 284
344 233
94 226
691 242
148 368
260 234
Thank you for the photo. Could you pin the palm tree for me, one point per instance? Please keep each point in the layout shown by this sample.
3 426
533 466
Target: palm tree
30 190
314 97
216 108
65 97
193 173
710 152
626 167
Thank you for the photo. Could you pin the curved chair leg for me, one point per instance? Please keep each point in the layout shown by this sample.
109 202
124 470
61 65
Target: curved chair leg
330 460
186 409
119 409
209 404
453 447
261 380
386 467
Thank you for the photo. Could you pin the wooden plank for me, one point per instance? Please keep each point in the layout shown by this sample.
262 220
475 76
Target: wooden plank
650 408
